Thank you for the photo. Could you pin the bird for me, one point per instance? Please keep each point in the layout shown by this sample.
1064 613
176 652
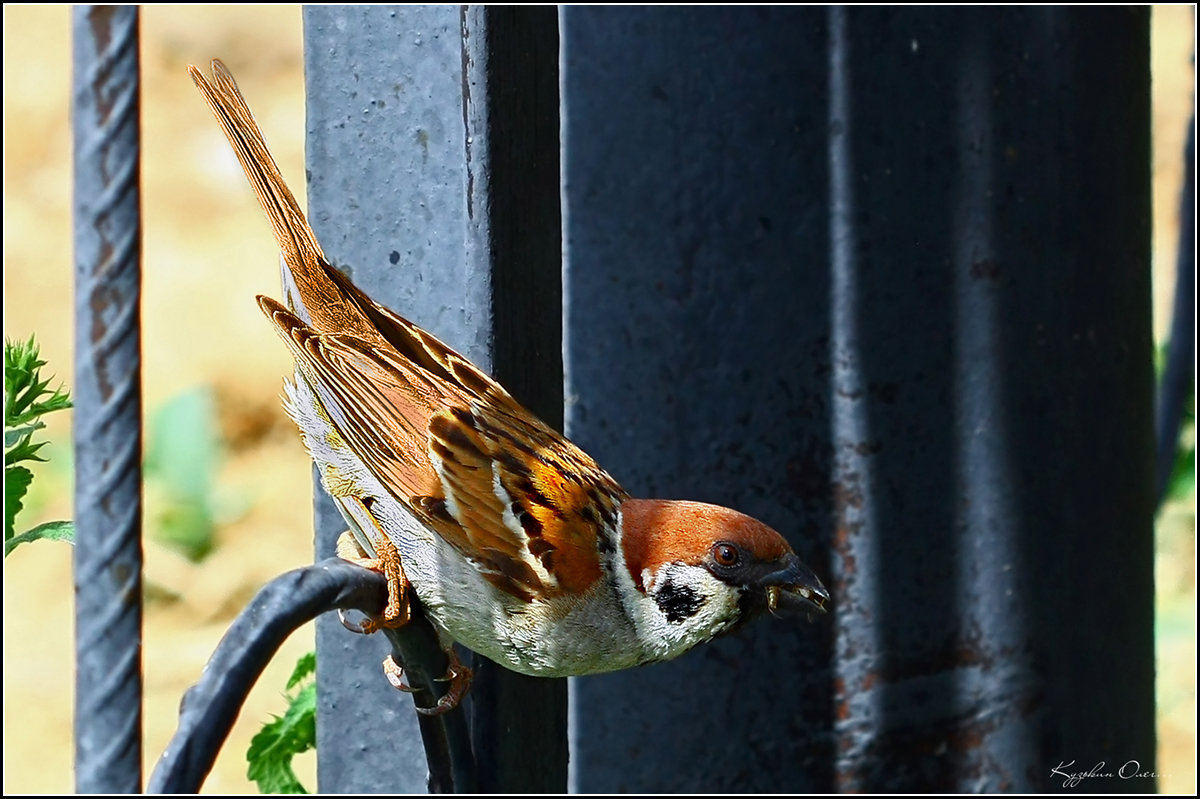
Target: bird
515 542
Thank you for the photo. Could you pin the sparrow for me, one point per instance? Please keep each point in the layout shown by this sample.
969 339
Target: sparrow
516 543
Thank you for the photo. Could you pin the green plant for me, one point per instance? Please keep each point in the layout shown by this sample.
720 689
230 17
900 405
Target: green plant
1182 482
182 455
27 398
272 749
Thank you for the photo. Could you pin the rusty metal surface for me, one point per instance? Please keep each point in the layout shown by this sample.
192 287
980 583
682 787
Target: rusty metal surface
107 396
991 377
881 277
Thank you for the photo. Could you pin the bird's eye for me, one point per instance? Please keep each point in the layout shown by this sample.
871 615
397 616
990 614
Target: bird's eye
725 554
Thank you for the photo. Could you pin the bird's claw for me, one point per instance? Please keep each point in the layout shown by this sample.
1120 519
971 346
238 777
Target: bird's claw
395 675
353 626
458 675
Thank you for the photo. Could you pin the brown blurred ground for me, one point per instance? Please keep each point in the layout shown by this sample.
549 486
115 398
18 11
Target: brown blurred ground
207 252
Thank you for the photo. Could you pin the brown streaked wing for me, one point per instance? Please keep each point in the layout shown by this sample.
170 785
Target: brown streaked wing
444 452
557 497
424 349
382 412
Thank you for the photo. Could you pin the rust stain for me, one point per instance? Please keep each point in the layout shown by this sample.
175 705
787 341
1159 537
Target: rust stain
101 20
843 534
102 298
841 710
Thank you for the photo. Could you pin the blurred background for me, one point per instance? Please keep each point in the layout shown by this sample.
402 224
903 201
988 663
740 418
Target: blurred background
237 511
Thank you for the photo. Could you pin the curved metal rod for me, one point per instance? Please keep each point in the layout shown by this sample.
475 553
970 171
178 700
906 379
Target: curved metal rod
287 602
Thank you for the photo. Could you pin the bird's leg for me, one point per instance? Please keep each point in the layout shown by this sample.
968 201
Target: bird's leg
458 675
398 610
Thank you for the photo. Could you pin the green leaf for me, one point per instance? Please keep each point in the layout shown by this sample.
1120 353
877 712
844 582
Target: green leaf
20 364
25 450
51 531
13 437
16 483
272 749
26 399
305 666
23 387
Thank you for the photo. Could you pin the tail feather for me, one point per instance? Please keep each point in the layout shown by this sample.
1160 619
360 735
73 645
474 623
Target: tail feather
309 291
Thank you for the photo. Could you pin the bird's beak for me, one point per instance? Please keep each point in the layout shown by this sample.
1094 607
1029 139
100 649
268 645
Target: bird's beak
795 587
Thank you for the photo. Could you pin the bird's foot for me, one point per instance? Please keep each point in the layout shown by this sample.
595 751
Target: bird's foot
398 610
458 675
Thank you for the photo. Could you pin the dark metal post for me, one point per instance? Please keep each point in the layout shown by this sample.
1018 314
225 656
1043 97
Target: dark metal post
107 396
416 164
510 85
696 331
879 277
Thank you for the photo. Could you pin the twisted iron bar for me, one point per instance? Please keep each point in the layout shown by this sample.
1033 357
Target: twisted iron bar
108 438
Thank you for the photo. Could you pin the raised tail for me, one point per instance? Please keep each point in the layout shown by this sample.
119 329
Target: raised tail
312 295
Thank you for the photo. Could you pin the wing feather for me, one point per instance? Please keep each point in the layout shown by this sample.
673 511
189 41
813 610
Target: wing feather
508 492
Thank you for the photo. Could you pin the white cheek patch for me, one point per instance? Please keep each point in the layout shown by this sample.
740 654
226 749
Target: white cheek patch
691 600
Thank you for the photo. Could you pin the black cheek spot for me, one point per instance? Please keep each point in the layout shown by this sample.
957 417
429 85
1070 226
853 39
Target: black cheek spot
677 602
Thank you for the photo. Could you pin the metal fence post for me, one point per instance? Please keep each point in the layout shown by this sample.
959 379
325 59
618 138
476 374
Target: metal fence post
880 277
107 396
511 79
696 330
413 191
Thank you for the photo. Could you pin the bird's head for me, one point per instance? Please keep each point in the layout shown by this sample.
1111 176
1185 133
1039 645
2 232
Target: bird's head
702 570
